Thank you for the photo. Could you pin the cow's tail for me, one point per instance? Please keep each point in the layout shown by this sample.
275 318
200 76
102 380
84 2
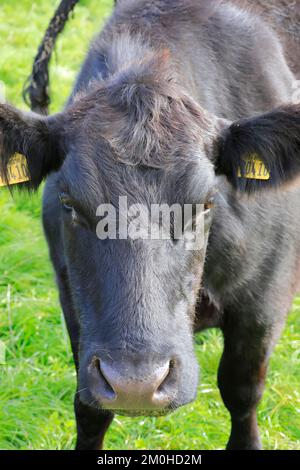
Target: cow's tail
36 88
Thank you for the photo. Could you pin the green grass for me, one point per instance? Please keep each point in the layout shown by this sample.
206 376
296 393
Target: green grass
38 380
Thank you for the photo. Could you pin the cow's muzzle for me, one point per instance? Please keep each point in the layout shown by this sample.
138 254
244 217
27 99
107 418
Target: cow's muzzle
133 387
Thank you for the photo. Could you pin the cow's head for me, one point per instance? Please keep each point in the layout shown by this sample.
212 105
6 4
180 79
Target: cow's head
139 136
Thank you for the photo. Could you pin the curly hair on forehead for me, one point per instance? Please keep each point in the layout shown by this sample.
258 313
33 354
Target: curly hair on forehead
143 113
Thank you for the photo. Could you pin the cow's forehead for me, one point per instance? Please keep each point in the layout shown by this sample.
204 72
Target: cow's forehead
93 179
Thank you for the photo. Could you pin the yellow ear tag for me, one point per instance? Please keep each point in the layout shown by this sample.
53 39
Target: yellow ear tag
254 168
17 171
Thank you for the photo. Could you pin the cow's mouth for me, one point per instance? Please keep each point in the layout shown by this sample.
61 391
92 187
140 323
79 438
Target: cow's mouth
147 413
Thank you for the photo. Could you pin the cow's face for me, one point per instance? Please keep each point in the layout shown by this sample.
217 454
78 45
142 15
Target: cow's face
135 292
135 296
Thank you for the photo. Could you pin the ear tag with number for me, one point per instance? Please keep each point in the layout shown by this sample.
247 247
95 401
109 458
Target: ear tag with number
17 171
254 168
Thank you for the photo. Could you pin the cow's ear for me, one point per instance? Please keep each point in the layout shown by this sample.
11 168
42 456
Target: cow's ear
34 137
261 152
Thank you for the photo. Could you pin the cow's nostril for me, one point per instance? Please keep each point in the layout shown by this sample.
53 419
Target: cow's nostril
167 377
162 392
107 392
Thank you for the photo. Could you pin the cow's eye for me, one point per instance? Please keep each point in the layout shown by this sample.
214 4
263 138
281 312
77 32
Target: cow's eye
66 202
72 214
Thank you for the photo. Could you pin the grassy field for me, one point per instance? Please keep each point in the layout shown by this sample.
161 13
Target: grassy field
38 380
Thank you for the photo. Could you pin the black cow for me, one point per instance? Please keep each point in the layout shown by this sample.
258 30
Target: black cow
174 101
